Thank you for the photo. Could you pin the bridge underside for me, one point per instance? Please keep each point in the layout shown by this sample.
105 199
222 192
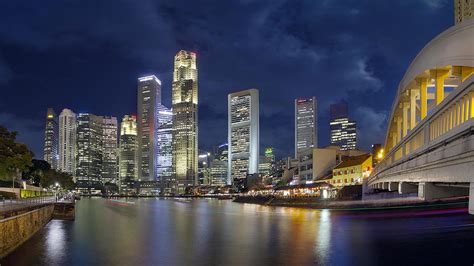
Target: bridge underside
443 170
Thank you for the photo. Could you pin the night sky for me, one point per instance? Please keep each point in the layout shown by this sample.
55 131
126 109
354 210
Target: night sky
87 54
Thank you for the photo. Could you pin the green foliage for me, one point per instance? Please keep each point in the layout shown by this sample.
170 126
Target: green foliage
36 171
51 177
14 156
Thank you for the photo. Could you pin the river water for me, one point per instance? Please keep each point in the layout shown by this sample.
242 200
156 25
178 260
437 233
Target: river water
220 232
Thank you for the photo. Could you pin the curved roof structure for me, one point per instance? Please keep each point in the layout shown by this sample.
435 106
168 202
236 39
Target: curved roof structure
452 48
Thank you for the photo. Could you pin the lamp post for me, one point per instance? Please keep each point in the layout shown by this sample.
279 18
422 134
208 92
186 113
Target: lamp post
56 189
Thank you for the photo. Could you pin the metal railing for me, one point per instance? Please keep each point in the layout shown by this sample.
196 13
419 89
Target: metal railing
12 204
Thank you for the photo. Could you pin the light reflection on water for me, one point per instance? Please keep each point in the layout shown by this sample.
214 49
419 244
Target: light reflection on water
218 232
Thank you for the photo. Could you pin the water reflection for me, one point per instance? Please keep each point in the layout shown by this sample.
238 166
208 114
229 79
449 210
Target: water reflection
216 232
55 242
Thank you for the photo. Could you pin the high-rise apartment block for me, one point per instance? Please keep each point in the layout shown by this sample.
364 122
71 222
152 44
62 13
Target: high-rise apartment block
67 141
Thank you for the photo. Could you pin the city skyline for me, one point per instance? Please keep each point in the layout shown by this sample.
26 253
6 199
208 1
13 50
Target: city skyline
216 81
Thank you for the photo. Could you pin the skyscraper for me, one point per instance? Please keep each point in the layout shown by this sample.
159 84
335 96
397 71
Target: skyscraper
109 150
185 119
67 141
463 9
218 166
149 98
343 131
89 151
128 171
243 134
50 150
306 124
164 149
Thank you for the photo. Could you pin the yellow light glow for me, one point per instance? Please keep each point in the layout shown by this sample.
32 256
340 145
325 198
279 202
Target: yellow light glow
380 156
50 116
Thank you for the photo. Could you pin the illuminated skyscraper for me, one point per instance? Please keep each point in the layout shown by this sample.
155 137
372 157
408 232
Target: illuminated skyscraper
109 149
89 151
50 151
243 134
128 171
306 124
463 9
343 131
185 119
149 98
67 141
218 166
164 149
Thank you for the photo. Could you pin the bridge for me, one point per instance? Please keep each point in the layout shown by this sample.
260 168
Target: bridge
429 143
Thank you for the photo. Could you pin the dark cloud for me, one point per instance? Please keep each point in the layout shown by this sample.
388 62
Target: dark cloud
86 55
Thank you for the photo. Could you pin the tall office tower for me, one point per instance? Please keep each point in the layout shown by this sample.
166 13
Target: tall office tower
149 97
128 171
218 166
218 173
204 162
463 9
343 131
109 149
306 124
50 151
164 155
89 151
185 120
67 141
243 134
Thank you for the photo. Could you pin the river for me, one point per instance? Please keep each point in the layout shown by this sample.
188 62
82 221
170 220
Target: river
220 232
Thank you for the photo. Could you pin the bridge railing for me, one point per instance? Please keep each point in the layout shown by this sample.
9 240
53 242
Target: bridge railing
447 120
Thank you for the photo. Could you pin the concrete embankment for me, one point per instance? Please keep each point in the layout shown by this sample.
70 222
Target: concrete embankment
15 230
315 203
21 223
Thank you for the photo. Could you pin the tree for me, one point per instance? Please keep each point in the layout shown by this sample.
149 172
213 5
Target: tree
14 156
51 177
36 171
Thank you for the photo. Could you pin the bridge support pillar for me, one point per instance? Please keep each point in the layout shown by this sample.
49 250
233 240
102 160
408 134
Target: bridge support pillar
392 186
385 185
404 188
429 191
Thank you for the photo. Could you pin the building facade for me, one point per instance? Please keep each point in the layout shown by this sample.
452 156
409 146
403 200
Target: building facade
110 150
149 98
343 130
243 134
51 139
164 156
463 9
67 141
351 171
185 120
306 124
128 161
89 156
